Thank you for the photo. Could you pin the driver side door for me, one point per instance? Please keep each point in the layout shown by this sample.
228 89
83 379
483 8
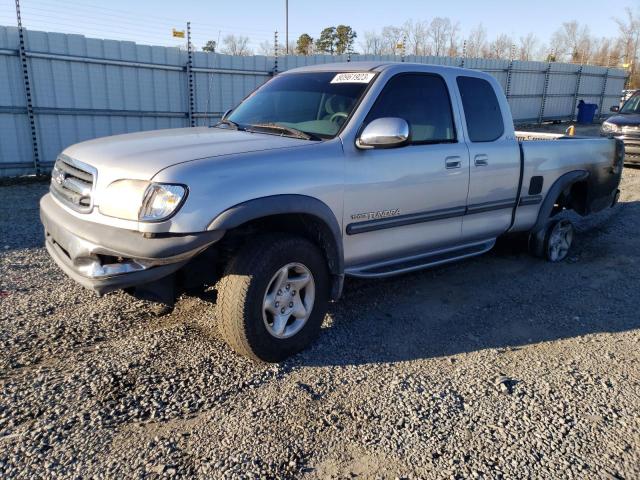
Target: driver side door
411 199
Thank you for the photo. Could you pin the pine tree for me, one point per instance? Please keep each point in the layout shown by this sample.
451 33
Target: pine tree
304 45
327 40
345 37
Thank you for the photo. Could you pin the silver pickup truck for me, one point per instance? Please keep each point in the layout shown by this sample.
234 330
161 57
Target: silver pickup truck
354 169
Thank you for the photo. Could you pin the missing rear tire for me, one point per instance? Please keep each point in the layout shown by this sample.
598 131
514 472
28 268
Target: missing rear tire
558 240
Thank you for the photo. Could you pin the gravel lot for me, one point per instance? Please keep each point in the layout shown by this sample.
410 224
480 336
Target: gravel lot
499 367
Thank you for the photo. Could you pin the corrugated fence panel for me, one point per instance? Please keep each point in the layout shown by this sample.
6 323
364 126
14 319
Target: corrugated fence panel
560 90
218 88
612 93
15 135
85 88
527 83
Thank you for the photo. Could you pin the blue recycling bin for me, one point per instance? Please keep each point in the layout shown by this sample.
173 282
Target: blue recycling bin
586 112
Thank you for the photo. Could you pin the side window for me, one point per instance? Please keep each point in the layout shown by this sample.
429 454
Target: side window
423 101
481 109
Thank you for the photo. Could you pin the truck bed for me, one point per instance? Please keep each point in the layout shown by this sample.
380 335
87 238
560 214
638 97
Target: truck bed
544 162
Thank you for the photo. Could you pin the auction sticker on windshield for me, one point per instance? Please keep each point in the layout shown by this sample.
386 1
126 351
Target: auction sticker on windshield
355 77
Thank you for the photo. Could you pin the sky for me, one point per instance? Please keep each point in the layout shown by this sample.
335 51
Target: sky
150 22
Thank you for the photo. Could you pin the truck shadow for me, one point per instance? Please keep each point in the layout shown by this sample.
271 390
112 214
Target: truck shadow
503 300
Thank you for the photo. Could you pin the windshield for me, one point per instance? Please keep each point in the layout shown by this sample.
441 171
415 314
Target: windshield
316 104
632 105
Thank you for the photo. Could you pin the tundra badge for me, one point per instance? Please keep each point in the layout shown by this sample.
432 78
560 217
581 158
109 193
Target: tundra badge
376 215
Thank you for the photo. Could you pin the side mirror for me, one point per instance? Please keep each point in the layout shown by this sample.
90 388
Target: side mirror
614 109
386 132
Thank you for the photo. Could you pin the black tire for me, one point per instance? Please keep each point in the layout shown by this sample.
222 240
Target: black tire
241 290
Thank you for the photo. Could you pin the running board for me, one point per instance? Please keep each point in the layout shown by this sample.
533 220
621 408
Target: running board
421 261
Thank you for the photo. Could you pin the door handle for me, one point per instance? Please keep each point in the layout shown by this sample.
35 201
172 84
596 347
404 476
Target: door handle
481 160
452 162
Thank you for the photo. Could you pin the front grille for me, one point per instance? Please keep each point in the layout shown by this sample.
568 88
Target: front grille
72 183
632 129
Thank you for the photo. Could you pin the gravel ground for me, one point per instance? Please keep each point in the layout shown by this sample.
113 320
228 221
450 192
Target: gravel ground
499 367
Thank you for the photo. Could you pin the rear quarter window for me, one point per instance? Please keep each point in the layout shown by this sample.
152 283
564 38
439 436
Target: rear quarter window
481 109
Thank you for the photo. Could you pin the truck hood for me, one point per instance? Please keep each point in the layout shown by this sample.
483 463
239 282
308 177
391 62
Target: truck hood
141 155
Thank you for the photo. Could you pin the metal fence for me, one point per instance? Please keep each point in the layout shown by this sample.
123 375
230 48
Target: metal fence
58 89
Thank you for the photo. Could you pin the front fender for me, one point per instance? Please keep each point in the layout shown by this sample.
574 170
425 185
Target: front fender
286 204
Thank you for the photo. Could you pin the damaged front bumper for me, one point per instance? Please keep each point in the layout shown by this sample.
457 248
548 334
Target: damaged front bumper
104 258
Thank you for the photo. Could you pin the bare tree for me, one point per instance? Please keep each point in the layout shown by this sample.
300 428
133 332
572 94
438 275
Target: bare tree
583 45
452 41
416 37
392 39
266 48
527 47
500 47
601 51
440 33
629 28
373 44
477 42
616 53
572 42
236 45
557 45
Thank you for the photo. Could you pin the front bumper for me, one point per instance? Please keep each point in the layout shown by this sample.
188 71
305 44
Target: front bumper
104 258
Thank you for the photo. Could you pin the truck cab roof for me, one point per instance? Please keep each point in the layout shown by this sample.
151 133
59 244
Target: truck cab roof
378 66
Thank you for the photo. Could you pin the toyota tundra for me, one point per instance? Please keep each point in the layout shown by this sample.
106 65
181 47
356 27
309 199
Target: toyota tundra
323 173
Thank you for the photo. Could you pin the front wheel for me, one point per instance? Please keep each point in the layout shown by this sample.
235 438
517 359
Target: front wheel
273 297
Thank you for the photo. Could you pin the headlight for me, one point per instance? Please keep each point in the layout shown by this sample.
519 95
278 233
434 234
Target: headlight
608 127
160 201
141 200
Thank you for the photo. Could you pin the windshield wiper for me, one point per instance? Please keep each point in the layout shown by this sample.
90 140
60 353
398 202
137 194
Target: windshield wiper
289 130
